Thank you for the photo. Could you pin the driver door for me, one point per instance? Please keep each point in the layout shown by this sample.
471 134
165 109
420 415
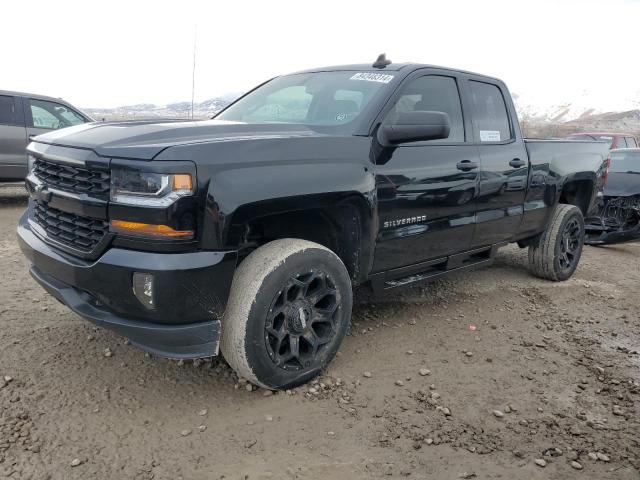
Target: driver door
427 191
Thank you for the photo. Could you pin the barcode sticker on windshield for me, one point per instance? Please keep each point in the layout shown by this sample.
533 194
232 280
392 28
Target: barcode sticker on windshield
372 77
489 136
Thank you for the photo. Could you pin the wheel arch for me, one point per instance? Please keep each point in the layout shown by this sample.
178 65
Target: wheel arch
340 222
578 191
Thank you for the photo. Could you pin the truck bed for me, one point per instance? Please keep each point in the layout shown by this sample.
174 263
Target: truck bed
568 155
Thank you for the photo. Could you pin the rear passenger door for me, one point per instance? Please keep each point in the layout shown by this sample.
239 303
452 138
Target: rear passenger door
13 139
503 162
426 191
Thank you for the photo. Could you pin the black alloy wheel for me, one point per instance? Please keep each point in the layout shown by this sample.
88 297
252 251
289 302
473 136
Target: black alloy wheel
288 311
570 245
301 321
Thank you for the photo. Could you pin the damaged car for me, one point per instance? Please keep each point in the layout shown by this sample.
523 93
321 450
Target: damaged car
618 218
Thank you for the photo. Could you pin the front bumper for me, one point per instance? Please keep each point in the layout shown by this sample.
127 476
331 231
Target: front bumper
597 234
191 293
596 237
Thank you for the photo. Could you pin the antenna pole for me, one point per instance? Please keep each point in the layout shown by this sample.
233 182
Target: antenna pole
193 73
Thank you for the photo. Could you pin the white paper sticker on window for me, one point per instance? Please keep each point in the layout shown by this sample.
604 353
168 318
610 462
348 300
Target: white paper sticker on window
489 136
372 77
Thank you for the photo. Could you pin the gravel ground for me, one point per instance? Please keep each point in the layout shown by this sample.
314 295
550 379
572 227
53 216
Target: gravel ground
491 374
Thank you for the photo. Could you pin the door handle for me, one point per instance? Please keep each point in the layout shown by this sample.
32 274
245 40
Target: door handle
466 165
517 163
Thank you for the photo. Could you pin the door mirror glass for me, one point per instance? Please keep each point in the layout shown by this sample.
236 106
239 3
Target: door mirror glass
417 126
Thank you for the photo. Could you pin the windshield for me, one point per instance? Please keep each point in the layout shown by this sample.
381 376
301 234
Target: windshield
625 162
327 99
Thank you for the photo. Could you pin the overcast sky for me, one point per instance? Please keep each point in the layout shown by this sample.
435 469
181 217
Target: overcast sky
111 53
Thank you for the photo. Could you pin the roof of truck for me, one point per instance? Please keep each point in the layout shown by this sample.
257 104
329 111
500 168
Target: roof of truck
35 96
392 67
31 95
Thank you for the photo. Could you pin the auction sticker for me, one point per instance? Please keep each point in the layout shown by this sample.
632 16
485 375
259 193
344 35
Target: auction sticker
489 136
372 77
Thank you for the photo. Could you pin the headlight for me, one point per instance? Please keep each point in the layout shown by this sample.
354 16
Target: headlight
145 189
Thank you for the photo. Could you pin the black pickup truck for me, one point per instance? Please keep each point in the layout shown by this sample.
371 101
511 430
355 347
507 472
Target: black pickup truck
247 232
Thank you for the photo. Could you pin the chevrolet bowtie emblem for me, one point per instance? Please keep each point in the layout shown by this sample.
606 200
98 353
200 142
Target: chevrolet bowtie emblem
42 194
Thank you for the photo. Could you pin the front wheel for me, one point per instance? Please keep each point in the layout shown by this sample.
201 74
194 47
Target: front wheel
556 254
289 309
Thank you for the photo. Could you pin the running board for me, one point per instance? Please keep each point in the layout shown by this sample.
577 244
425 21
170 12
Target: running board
434 269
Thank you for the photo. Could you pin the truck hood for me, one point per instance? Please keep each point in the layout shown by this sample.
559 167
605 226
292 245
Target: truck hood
144 140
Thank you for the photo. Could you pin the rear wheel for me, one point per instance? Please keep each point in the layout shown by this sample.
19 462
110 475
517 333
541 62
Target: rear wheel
289 309
556 254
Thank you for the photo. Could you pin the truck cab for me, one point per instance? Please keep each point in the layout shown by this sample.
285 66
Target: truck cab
24 116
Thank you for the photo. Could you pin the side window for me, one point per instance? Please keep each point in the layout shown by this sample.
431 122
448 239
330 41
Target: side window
43 119
431 93
8 111
52 115
621 143
489 113
631 142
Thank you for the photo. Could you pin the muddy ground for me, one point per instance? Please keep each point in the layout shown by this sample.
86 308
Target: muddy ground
515 370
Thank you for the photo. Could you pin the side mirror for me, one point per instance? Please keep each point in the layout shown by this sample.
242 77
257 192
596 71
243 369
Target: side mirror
417 126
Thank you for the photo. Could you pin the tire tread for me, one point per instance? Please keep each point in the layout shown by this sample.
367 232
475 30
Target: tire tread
542 254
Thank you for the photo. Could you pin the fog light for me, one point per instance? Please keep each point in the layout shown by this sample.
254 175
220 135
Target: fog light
143 289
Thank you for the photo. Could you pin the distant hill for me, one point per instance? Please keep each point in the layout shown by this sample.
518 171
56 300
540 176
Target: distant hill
201 110
573 116
624 122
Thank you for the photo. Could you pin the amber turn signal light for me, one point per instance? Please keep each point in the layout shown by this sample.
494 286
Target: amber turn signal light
182 181
148 229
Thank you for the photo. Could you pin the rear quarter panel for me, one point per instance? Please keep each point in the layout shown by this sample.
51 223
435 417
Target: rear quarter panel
553 164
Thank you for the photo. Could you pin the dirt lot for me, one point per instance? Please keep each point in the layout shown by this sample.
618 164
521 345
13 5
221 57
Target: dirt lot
480 376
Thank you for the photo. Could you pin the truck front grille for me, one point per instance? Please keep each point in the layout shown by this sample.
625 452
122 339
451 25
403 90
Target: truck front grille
80 233
71 178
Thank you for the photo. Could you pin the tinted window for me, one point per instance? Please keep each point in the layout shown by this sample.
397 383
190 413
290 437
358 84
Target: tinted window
431 93
490 113
8 112
605 138
51 115
621 143
326 99
625 162
631 142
